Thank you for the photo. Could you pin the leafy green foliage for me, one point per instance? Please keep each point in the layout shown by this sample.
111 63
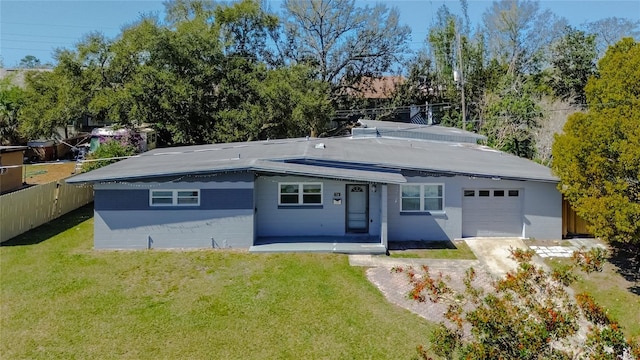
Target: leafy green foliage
201 78
108 150
598 156
511 119
29 62
574 60
11 100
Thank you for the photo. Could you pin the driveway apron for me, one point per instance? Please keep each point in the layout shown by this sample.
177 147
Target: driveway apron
494 253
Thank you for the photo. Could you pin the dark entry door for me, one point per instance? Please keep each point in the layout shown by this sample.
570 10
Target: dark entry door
357 208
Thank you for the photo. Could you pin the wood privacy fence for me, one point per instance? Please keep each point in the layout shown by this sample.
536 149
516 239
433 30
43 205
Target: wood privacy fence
26 209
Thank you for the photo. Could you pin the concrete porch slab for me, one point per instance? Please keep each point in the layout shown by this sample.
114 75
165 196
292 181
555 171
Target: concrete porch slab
325 247
354 244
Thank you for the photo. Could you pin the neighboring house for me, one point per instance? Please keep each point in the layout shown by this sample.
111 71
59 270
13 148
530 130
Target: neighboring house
377 87
386 182
11 158
377 93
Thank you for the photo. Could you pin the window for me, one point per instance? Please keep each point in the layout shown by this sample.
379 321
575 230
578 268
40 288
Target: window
469 193
514 193
422 197
300 194
483 193
498 192
174 198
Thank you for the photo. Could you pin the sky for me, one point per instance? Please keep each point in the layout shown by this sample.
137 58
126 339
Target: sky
38 27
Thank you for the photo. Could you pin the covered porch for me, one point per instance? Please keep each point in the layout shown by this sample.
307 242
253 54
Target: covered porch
363 244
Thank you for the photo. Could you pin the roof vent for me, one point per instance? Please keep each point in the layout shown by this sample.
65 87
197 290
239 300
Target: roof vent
320 146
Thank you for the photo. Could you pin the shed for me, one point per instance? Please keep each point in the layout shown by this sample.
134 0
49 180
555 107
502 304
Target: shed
11 159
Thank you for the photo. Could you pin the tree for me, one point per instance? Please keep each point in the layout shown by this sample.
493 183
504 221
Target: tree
203 77
518 32
11 100
110 151
597 158
343 42
511 119
555 113
469 56
573 59
61 97
527 314
29 62
295 104
610 30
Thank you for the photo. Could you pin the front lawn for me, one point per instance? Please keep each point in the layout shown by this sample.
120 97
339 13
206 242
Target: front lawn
612 291
61 299
452 250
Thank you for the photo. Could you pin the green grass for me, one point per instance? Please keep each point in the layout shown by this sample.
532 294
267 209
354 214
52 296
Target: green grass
458 250
60 299
612 291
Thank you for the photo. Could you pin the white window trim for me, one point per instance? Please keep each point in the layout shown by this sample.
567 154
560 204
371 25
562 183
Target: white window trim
300 193
422 199
174 197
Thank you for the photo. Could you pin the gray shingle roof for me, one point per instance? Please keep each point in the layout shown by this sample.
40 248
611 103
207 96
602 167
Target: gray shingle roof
364 159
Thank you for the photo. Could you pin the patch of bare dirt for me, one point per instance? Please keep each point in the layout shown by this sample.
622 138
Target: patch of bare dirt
43 173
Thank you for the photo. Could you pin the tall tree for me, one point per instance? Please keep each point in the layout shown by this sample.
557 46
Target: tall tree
454 48
598 156
342 41
29 62
518 32
573 61
245 29
511 120
61 97
610 30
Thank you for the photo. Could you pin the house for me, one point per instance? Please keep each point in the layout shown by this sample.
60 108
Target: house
385 182
11 158
376 87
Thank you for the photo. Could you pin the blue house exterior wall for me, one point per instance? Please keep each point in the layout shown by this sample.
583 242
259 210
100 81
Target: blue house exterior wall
326 220
542 211
225 218
238 208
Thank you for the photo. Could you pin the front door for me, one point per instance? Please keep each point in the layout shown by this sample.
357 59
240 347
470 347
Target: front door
357 208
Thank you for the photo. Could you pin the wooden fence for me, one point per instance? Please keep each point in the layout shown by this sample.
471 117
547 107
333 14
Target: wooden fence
26 209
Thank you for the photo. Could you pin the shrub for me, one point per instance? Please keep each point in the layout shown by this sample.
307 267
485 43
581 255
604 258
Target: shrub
108 150
528 314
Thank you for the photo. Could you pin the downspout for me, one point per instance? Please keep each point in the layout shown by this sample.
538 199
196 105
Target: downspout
383 217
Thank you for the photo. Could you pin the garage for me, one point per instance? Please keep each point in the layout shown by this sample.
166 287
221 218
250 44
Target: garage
492 212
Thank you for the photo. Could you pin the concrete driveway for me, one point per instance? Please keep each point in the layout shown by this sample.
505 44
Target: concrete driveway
494 253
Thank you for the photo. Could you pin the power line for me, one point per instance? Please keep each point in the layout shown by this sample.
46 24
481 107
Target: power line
30 41
40 36
59 25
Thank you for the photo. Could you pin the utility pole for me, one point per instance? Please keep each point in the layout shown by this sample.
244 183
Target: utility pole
461 82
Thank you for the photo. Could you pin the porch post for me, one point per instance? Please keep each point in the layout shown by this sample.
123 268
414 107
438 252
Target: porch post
383 216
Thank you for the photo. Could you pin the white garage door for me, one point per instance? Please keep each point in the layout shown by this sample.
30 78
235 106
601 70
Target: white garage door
492 212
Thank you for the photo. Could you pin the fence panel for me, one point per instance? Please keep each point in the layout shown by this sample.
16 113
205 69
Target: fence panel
26 209
71 197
